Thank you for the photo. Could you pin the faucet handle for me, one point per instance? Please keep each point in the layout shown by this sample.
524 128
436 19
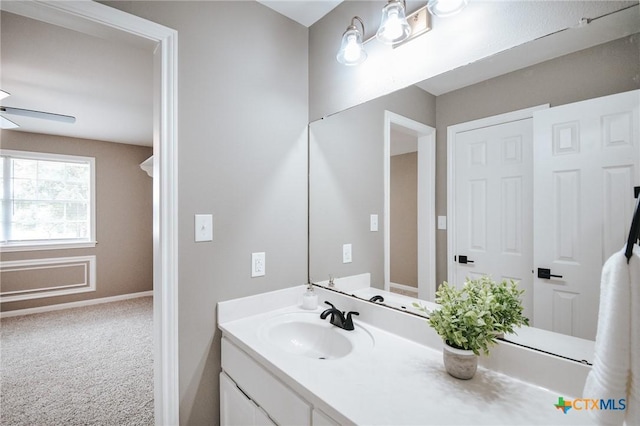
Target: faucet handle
332 311
348 323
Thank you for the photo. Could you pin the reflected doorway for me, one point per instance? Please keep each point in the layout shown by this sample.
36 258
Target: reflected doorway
409 242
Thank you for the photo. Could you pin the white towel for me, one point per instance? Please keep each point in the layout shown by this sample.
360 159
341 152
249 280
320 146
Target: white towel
616 367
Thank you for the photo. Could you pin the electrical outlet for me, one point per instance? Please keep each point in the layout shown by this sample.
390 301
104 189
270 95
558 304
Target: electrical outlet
258 264
346 253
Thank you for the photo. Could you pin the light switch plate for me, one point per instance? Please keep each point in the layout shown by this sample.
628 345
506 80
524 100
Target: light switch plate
203 227
258 264
373 223
442 222
346 253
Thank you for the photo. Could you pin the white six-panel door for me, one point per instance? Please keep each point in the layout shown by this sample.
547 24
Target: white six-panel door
551 193
493 204
586 162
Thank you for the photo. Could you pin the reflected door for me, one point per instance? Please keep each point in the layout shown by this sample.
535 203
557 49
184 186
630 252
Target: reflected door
493 204
586 161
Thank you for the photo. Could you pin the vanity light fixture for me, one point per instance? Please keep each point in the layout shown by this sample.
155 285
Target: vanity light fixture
394 27
445 8
351 49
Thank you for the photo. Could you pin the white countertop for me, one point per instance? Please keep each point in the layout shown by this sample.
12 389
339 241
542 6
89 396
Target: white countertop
397 382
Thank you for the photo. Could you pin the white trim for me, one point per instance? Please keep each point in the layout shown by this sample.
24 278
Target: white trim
13 247
89 284
102 19
403 287
522 114
46 156
426 202
61 306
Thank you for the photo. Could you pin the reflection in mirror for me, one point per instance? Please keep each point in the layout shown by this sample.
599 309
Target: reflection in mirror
347 165
346 154
403 241
409 203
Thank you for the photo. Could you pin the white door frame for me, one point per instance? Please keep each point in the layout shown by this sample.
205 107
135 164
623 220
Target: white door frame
522 114
87 16
426 203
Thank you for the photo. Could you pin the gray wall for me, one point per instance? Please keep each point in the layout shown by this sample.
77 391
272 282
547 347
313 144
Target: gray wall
610 68
483 29
124 217
345 182
242 141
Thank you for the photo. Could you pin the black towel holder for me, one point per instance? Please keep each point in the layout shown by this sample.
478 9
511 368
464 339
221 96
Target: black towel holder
634 232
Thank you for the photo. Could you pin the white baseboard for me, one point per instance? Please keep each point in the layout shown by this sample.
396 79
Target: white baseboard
78 304
403 287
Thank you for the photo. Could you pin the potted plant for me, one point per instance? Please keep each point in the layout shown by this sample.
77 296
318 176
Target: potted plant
469 320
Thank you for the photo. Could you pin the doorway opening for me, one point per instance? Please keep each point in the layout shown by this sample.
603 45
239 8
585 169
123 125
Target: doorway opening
100 20
416 263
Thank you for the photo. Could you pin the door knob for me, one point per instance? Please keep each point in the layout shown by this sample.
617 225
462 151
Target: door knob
464 260
546 274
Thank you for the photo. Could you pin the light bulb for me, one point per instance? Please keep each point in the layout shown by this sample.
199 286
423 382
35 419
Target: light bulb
445 8
352 50
393 29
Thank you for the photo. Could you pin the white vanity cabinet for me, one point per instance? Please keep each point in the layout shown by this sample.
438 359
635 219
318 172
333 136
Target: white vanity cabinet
250 395
318 418
236 408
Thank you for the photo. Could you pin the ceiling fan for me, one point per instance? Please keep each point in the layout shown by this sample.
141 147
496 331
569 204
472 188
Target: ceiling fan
5 123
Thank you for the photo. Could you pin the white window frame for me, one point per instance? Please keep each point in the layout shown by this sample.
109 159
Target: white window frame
57 244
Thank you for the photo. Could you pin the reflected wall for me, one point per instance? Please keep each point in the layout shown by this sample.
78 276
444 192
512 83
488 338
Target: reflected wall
346 162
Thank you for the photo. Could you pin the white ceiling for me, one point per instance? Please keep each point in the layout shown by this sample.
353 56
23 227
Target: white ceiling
305 12
106 85
105 82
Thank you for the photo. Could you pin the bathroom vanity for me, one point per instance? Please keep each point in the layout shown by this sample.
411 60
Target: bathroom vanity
282 364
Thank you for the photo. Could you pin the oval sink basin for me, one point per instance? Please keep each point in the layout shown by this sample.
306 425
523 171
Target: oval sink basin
310 340
305 334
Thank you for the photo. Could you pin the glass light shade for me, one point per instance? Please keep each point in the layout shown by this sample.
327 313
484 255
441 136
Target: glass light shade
3 94
444 8
393 26
351 50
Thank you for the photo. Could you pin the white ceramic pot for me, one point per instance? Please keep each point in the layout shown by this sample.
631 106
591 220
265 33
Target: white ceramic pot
459 363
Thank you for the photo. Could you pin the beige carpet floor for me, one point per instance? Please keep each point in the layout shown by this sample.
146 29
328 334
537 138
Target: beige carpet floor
84 366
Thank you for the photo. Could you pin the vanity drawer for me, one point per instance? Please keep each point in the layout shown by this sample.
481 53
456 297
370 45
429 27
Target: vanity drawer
281 403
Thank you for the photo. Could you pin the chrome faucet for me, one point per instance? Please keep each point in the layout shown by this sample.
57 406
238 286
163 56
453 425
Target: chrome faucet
338 318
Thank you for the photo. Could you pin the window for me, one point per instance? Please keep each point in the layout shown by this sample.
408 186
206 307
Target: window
47 201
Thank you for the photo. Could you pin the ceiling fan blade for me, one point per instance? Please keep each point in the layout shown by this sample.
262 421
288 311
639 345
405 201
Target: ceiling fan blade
38 114
5 123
